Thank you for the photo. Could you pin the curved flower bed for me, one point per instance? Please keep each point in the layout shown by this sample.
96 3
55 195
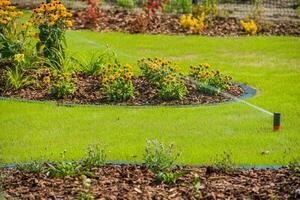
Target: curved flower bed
89 91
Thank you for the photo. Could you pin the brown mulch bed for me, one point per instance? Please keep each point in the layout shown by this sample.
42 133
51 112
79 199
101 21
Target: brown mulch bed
89 92
136 182
130 21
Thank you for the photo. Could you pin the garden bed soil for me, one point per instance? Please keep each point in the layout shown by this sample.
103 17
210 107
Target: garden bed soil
129 21
89 92
136 182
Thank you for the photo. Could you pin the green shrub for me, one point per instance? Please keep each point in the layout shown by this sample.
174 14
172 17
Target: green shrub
63 86
178 6
34 166
96 156
159 158
126 3
173 87
209 7
117 82
63 168
208 81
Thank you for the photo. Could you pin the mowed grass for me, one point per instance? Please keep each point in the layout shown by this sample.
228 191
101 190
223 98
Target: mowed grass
270 64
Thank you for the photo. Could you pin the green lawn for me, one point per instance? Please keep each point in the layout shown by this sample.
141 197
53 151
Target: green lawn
270 64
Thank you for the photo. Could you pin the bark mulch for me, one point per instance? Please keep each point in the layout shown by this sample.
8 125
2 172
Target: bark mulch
131 21
89 92
136 182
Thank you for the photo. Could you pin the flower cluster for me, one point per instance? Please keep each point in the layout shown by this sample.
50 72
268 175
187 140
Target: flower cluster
194 24
64 85
164 74
50 14
209 81
155 69
8 13
249 27
173 87
117 82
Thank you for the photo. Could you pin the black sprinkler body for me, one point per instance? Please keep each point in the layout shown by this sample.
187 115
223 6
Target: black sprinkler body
276 121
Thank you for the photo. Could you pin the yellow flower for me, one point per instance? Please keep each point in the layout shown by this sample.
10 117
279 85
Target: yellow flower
42 47
69 23
19 58
47 79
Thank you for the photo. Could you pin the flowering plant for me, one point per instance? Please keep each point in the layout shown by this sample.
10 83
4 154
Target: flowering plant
209 81
11 40
156 69
194 24
63 86
164 74
51 19
249 27
117 82
173 87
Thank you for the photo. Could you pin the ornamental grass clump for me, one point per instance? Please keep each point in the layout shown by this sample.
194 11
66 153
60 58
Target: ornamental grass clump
52 20
117 82
209 81
193 24
249 27
164 74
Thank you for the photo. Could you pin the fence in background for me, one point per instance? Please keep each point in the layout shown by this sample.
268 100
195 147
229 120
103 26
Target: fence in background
270 9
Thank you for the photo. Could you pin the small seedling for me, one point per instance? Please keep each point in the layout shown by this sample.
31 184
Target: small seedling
87 194
197 186
169 177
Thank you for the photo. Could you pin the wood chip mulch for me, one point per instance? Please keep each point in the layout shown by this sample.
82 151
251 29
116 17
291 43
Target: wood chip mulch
89 92
121 20
136 182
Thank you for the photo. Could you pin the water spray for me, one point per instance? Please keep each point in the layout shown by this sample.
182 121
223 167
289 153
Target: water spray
276 115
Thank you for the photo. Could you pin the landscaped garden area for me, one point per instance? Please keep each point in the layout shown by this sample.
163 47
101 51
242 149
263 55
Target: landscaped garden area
168 113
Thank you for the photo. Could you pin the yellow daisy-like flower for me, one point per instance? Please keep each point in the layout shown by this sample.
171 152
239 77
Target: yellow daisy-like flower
19 58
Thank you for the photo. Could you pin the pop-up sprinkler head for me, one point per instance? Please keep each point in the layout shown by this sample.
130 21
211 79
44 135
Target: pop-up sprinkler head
276 121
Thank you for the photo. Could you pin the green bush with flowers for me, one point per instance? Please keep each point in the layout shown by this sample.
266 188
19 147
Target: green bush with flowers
63 85
209 81
173 87
164 74
12 40
52 19
117 82
156 69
